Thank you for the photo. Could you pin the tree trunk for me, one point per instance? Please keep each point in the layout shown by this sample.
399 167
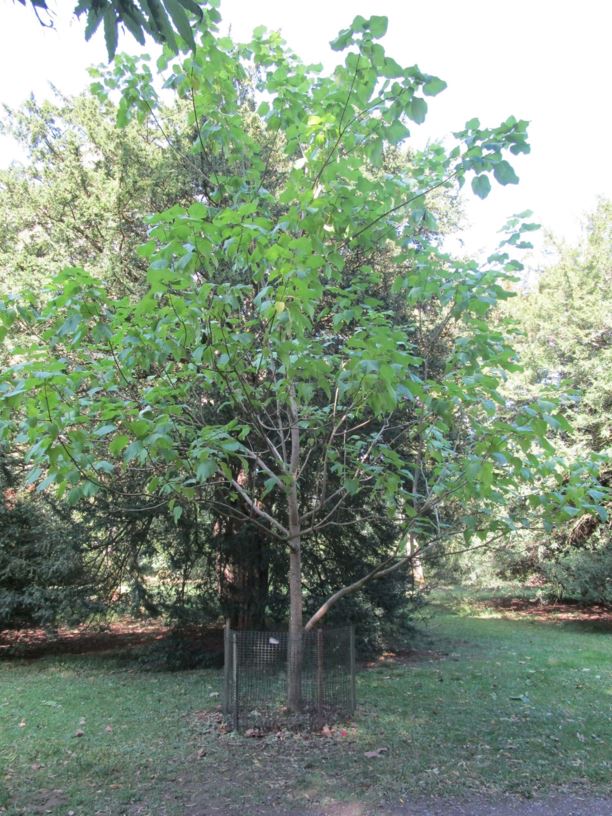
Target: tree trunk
243 574
418 574
295 652
296 629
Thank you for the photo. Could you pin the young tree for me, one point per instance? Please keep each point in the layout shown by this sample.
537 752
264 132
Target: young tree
262 374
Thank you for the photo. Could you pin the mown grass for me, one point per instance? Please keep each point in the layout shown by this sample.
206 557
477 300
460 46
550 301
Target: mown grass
507 705
93 734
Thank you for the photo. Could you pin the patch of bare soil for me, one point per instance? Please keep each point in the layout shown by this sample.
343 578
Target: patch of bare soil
35 643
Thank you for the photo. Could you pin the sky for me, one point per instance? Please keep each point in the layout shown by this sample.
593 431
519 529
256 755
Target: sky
547 61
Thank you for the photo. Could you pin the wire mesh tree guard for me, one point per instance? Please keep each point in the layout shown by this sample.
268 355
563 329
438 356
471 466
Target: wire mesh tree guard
255 678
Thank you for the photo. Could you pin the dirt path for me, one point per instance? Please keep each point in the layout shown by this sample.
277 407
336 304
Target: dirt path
507 806
558 805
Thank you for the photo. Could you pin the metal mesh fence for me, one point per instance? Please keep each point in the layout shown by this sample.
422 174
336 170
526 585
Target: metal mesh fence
255 689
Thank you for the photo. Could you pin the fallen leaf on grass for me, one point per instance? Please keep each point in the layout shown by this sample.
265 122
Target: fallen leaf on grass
109 729
22 724
377 753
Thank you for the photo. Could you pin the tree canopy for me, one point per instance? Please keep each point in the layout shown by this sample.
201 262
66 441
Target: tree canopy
306 358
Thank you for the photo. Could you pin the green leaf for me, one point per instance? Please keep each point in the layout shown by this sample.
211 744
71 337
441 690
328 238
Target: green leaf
33 476
177 512
378 26
396 132
104 466
118 444
181 22
133 450
134 28
500 458
159 25
433 86
504 173
417 110
205 469
342 41
193 7
45 483
351 486
481 186
104 430
110 32
94 18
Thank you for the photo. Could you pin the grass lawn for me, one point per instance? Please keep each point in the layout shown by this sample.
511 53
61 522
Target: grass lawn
504 702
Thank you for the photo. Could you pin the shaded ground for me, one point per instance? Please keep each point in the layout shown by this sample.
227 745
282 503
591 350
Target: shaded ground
289 765
127 633
597 615
112 637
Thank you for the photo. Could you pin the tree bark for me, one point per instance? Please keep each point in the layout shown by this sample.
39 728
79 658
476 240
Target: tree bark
412 549
295 653
296 629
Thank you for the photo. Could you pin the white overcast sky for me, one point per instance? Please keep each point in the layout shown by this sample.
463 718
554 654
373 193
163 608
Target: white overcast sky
548 61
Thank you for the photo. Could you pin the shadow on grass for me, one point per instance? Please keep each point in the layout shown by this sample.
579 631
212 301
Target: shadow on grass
146 644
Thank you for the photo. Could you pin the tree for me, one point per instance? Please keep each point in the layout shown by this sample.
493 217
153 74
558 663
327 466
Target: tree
83 198
85 193
567 320
566 344
167 21
44 574
262 375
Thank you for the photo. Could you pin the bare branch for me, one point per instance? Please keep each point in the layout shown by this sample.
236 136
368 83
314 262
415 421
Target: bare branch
256 509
